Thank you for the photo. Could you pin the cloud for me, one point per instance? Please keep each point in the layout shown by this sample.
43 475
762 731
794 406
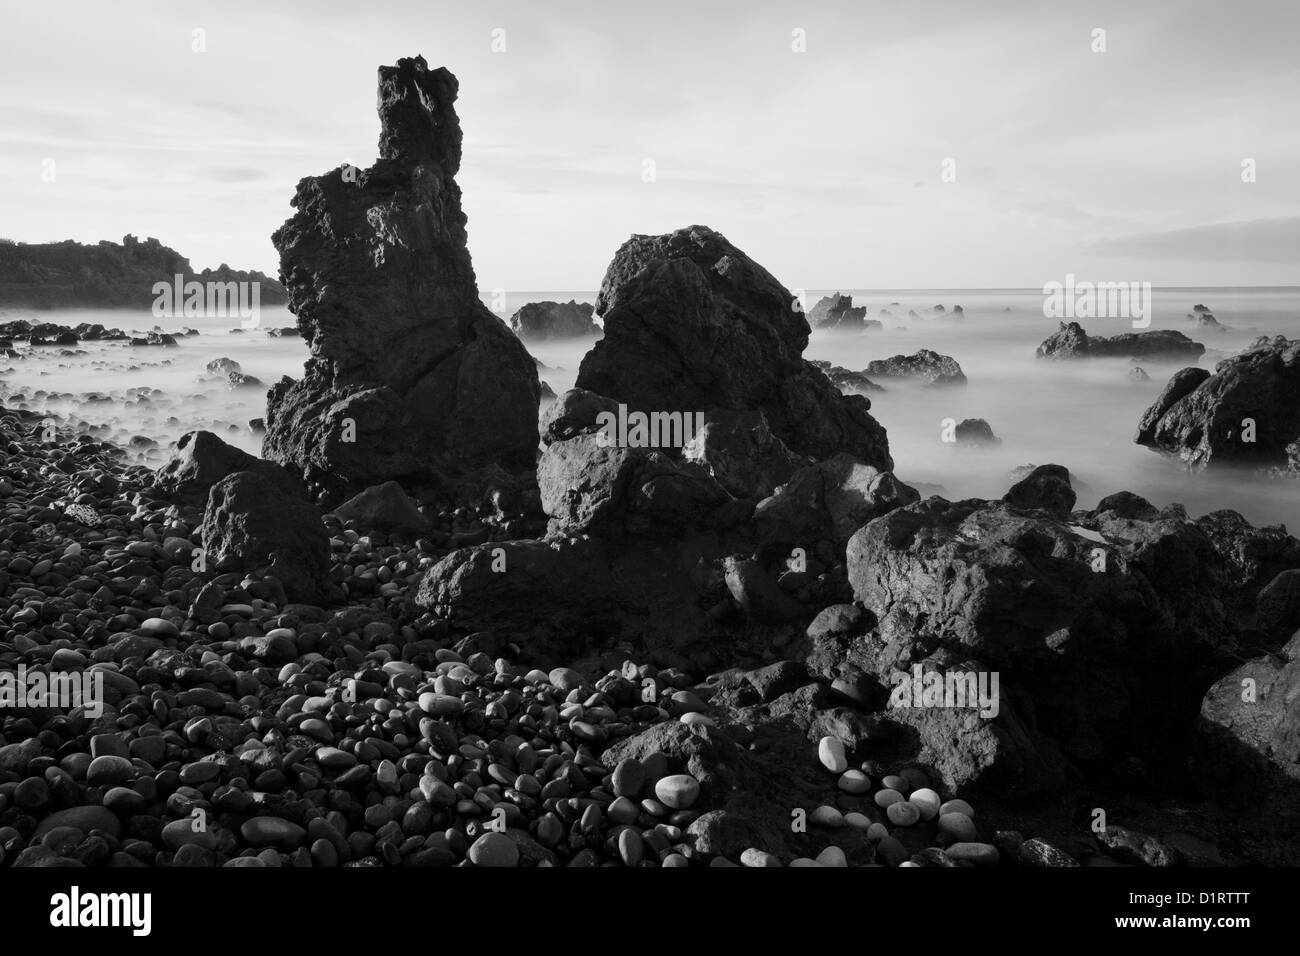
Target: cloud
1255 240
235 174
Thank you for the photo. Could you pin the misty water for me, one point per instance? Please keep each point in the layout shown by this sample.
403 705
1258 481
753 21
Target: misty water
1079 414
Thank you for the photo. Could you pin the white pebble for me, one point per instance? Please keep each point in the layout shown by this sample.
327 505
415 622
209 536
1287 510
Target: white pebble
831 753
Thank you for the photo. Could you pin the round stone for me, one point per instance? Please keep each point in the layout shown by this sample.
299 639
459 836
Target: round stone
926 801
886 798
109 771
854 781
675 860
756 857
902 814
803 861
565 679
830 751
832 856
189 831
696 719
331 758
272 831
494 850
159 627
979 854
623 810
958 826
896 782
877 832
859 821
630 847
629 778
678 791
826 817
440 705
958 806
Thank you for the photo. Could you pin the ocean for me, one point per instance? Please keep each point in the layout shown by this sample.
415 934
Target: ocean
1079 414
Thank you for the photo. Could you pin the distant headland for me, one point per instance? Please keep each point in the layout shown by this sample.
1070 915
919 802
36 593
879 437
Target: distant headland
105 275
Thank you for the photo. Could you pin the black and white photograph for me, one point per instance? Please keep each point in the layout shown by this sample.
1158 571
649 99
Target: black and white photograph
445 436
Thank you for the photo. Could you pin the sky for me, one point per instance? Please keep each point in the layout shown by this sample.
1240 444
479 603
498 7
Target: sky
916 145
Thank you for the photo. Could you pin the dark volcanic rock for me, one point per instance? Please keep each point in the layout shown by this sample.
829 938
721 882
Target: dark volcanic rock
693 324
540 321
1070 341
202 459
828 500
1202 417
1249 716
589 488
742 454
1111 633
250 524
928 366
558 597
1046 487
383 508
411 377
846 380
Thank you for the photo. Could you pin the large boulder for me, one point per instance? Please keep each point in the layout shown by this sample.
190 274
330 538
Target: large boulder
926 366
410 376
1249 717
559 598
251 526
201 459
1109 625
741 453
693 324
541 321
1071 341
588 487
384 508
829 500
1247 412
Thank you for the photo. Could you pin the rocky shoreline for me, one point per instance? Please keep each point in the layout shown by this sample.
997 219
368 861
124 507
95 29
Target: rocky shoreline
413 635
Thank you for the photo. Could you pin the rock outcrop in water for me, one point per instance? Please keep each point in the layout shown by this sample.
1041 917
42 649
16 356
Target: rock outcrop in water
835 313
543 321
693 324
411 377
1071 341
1246 412
926 366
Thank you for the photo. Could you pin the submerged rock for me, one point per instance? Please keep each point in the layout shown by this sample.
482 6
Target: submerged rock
410 376
926 365
975 431
1071 341
541 321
